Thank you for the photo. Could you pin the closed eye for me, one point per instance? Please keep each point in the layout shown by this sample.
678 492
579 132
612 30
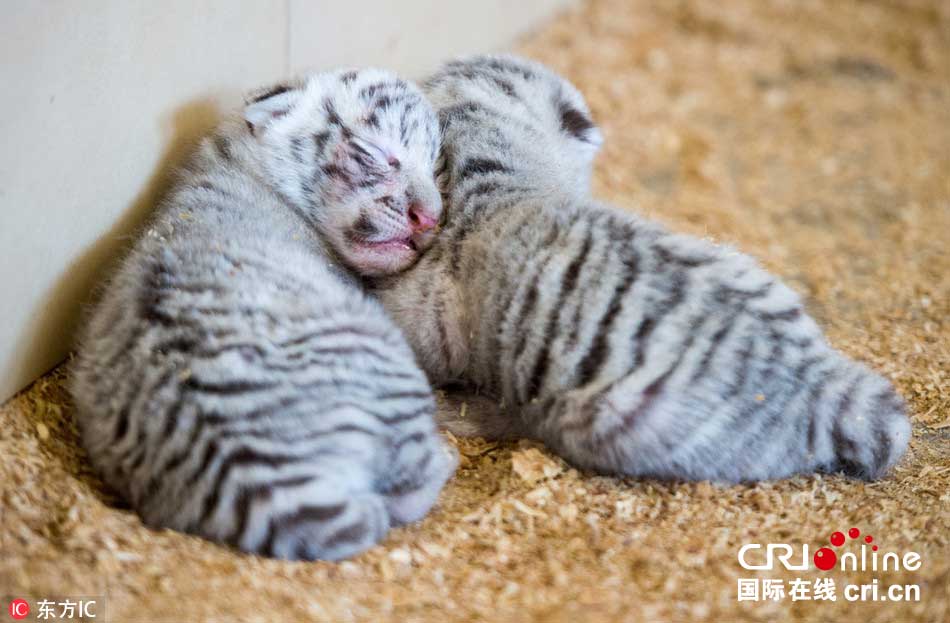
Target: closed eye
375 156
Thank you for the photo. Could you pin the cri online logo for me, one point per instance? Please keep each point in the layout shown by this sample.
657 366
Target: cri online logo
19 609
826 558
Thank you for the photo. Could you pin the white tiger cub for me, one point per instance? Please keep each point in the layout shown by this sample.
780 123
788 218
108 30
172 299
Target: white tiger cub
235 382
623 347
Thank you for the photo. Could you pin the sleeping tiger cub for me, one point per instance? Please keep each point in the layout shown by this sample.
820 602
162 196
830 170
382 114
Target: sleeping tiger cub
624 347
235 382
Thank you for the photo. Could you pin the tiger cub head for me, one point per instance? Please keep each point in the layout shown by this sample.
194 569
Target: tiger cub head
354 152
537 123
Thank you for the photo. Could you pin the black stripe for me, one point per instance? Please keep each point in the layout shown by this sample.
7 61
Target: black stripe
480 166
396 418
372 89
121 424
502 65
227 387
774 356
651 392
356 330
296 148
372 120
786 314
502 198
804 427
309 414
477 191
412 484
594 359
382 102
196 287
413 438
727 292
844 403
350 534
742 371
335 172
137 453
394 374
188 346
393 418
596 271
320 140
223 148
493 339
177 459
364 156
276 90
210 451
171 420
241 457
389 202
531 299
124 416
714 343
528 308
568 283
506 308
458 112
438 315
330 432
505 86
140 441
333 117
404 125
304 514
348 351
882 451
252 494
462 228
668 256
216 419
443 164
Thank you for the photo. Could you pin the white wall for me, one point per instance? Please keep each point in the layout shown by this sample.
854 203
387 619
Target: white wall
102 97
412 36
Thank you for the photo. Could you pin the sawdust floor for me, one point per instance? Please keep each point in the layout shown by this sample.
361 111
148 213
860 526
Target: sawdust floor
815 135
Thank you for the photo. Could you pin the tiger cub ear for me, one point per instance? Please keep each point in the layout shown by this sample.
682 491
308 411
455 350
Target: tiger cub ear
578 125
263 106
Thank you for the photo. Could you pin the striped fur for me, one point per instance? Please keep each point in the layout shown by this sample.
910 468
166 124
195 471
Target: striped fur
624 347
234 381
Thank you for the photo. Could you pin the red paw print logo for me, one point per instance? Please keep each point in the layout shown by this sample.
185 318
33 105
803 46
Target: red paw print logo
825 558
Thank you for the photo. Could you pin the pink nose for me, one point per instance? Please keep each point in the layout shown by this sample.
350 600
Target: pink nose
419 219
